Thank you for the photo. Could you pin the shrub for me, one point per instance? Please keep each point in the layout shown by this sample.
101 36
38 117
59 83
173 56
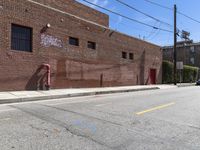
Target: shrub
189 73
167 72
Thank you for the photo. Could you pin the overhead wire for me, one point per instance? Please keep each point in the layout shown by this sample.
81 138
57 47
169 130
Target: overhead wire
158 31
127 26
139 11
195 20
126 17
180 13
162 6
151 33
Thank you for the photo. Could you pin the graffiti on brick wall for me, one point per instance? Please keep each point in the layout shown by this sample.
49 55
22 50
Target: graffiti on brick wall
48 40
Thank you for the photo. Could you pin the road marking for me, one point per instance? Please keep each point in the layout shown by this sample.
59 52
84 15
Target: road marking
155 108
5 119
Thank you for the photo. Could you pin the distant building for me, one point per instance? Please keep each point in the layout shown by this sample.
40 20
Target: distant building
65 44
187 52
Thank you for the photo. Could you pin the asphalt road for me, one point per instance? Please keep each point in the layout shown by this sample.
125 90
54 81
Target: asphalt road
150 120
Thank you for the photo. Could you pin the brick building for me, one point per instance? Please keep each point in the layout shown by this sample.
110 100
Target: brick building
187 52
75 41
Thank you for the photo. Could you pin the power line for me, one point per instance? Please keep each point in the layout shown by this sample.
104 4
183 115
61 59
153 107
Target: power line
180 13
131 19
162 6
195 20
138 29
151 33
125 25
125 4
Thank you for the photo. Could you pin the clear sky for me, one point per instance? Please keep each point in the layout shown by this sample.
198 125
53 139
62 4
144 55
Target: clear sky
189 7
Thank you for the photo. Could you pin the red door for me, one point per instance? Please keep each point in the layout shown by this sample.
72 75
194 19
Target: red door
152 76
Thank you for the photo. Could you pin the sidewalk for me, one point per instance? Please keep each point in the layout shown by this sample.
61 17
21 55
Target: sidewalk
24 96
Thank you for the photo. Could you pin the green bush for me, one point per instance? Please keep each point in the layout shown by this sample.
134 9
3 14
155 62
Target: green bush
167 72
189 73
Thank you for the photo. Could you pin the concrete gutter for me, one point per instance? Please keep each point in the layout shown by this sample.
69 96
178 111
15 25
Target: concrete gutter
28 96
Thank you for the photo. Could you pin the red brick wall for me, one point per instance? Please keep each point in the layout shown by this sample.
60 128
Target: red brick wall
78 9
71 66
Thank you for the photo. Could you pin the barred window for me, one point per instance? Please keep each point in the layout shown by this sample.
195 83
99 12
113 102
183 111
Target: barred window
131 56
73 41
91 45
21 38
124 55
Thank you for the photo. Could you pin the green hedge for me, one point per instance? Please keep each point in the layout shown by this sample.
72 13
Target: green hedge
189 73
167 76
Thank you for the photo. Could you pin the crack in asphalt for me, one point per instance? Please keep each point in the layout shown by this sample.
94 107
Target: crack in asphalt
75 132
120 146
61 124
84 115
41 129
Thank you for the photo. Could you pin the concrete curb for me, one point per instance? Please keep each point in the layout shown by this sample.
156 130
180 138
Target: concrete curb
186 85
49 97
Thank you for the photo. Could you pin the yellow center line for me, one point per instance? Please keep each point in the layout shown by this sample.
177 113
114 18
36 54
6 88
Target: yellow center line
5 119
155 108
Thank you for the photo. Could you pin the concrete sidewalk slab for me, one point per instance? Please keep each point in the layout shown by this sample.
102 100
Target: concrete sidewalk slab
24 96
6 95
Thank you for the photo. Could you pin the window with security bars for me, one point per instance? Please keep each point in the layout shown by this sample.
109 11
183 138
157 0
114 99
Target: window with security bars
74 41
124 55
21 38
91 45
131 56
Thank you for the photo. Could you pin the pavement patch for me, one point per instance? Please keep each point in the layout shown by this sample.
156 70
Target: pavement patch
85 125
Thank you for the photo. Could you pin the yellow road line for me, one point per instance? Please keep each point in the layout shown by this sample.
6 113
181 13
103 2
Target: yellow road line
155 108
5 119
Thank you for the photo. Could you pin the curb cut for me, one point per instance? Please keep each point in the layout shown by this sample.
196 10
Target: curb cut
30 99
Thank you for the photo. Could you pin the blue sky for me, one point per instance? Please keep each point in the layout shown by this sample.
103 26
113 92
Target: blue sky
190 8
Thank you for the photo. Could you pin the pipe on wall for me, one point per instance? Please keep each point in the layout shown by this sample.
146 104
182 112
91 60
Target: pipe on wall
48 76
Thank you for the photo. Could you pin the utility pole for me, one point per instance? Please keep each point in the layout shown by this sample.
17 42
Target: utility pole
175 41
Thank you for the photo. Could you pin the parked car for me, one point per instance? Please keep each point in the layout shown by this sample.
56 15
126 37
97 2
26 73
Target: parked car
198 82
